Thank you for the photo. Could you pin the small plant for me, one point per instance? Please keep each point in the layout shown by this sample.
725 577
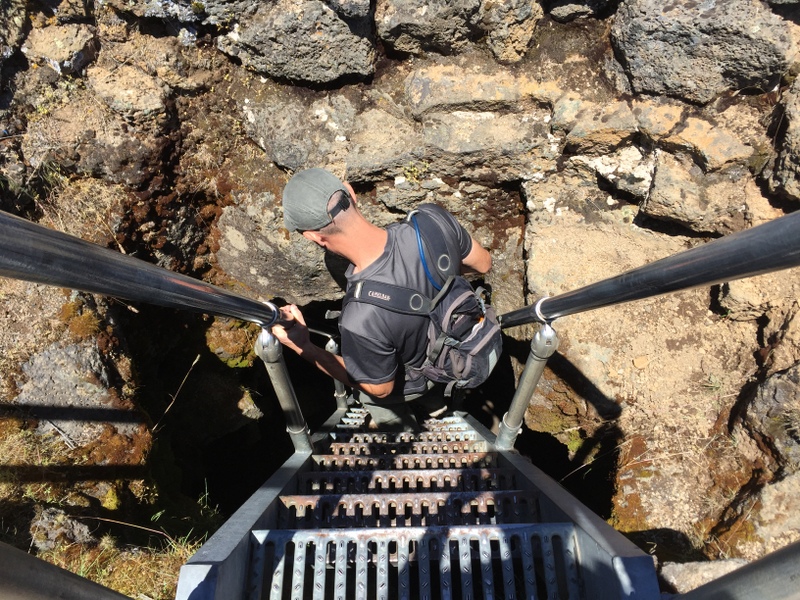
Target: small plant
413 172
712 384
85 326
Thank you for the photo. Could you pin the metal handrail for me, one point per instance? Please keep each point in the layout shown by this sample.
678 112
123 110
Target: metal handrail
35 253
270 351
771 577
762 249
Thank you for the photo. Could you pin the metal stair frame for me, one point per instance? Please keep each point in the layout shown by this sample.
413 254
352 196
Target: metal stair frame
219 569
611 566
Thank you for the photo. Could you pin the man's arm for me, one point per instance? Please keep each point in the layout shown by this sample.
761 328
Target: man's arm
296 338
478 259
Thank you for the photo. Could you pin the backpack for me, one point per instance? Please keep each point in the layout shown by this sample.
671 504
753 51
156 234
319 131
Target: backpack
464 336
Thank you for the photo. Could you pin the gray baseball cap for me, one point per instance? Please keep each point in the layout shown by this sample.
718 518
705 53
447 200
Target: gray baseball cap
305 199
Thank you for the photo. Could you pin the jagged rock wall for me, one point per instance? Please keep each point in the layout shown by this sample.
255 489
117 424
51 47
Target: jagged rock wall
574 139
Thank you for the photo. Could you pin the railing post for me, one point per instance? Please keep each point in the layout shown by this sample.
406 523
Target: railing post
269 349
543 346
340 393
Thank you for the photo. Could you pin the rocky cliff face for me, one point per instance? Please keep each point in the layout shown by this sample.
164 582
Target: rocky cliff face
576 140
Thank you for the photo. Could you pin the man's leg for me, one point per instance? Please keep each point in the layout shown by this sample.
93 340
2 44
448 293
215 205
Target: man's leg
390 416
432 404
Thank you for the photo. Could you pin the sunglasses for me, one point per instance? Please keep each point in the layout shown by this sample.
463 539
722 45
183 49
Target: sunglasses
342 204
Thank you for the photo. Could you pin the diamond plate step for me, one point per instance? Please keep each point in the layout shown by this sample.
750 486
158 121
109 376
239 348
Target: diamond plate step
506 561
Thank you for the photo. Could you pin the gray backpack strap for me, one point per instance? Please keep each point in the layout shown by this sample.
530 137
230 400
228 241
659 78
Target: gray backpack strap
392 297
444 339
437 252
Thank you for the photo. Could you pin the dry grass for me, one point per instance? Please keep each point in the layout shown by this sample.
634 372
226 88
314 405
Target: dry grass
137 571
133 571
21 446
88 208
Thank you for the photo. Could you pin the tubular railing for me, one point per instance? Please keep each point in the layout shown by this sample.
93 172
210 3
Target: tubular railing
772 577
762 249
35 253
768 247
25 577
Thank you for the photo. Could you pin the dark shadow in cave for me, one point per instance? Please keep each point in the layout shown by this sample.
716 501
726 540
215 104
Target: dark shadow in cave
188 458
592 482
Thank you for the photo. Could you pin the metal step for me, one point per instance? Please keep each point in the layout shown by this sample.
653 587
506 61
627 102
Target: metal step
420 480
353 420
436 515
373 437
407 447
450 424
407 510
499 561
469 460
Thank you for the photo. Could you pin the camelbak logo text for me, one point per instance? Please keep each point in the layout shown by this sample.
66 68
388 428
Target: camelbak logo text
379 296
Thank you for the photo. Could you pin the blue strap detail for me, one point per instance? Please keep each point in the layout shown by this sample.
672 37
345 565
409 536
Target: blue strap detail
422 254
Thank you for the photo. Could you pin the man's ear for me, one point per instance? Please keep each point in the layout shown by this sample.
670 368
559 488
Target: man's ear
314 236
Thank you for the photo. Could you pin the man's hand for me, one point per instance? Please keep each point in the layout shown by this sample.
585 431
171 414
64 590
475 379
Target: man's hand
293 332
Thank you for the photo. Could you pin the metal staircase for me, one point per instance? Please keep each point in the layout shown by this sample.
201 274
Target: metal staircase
452 512
436 514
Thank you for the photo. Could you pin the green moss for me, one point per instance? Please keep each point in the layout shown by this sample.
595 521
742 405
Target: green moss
111 500
574 441
232 342
546 420
413 172
239 362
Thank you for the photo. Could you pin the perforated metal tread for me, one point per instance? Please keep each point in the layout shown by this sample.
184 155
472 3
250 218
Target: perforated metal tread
420 480
373 437
426 515
375 448
465 460
501 561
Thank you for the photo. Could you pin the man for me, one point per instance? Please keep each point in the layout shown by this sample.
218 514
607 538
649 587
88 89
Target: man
376 343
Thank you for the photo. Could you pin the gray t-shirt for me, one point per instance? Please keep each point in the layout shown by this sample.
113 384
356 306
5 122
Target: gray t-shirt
377 343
